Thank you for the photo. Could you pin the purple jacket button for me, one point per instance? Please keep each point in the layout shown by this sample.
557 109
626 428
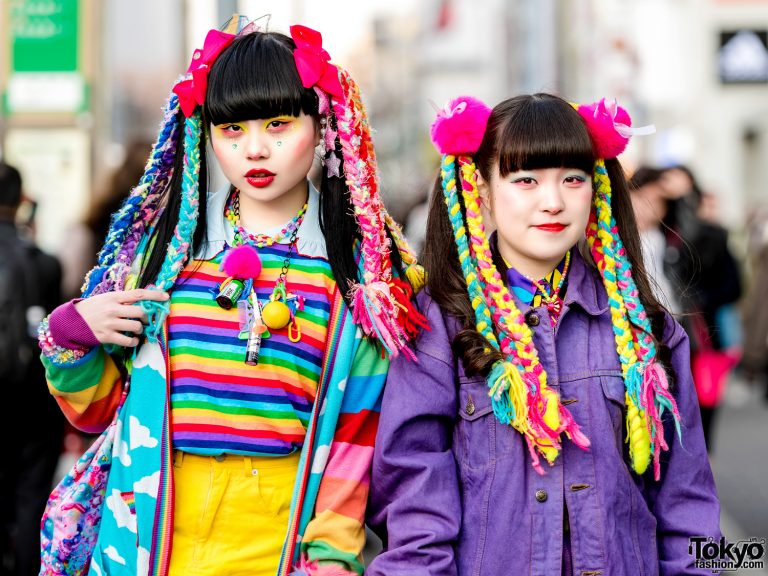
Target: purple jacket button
541 495
532 319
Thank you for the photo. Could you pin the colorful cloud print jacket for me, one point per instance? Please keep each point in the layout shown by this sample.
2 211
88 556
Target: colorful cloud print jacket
331 488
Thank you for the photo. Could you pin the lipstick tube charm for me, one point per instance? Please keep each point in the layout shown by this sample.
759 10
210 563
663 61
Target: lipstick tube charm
252 348
253 344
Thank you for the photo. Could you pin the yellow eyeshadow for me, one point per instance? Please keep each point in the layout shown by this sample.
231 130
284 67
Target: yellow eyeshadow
291 119
222 127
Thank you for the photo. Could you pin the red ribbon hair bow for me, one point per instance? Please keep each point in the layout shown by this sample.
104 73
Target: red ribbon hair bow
313 62
191 92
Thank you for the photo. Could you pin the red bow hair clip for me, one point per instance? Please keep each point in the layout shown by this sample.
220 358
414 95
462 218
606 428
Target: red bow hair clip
191 92
313 62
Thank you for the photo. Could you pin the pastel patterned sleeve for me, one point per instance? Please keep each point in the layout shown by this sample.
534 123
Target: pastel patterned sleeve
334 539
87 388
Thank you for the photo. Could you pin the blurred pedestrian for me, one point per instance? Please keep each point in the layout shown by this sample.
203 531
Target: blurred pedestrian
755 360
82 240
650 207
538 433
29 289
239 316
708 277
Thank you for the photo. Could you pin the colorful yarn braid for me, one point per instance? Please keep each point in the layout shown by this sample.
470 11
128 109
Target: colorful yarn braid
518 387
413 270
510 407
648 393
130 221
483 319
381 304
411 321
178 248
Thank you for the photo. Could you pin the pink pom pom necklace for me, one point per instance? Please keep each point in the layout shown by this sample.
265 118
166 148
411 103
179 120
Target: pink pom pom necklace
242 265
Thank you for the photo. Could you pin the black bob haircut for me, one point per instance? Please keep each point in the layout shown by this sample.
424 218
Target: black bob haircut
255 78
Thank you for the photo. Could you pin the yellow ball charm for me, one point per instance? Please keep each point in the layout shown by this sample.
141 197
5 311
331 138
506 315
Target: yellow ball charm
276 315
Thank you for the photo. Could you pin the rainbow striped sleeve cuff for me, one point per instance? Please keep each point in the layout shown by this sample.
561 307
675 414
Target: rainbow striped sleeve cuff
88 391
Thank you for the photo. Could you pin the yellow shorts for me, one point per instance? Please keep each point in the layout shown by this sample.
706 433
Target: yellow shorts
230 513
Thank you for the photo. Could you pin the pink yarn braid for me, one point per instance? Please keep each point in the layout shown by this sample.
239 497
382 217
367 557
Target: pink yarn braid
516 340
375 309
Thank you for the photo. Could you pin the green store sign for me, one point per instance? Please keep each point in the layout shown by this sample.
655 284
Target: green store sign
44 35
44 41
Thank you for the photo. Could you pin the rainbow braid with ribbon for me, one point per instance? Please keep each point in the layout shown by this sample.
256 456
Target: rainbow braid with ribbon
131 221
646 382
518 384
382 305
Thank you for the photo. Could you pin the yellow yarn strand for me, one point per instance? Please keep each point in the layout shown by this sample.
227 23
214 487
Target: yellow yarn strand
518 395
414 271
637 425
638 437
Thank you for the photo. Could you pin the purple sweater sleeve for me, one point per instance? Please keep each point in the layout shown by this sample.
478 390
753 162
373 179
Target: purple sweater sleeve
68 328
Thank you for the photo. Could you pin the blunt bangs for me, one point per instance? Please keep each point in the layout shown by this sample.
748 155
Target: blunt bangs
256 78
544 132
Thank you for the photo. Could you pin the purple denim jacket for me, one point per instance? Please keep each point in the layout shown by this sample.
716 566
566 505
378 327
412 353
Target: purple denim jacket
453 490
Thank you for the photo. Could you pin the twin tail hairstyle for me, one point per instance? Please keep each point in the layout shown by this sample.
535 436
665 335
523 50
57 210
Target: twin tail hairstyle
525 133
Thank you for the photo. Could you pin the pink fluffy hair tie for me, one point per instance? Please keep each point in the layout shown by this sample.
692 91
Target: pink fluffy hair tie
460 126
610 127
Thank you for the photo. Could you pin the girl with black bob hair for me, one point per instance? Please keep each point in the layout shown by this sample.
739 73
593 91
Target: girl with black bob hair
231 345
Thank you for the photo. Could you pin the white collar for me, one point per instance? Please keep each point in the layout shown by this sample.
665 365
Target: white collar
309 241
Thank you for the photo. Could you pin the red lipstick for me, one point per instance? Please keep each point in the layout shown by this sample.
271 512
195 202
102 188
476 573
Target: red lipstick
259 178
551 227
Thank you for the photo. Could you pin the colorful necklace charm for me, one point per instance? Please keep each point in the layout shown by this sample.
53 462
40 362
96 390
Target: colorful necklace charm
552 299
243 266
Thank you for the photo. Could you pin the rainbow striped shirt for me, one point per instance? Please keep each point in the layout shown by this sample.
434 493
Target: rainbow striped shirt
218 403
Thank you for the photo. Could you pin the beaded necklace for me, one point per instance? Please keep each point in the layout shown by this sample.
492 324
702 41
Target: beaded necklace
242 236
552 297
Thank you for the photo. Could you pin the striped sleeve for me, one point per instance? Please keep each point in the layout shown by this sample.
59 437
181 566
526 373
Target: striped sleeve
88 391
336 533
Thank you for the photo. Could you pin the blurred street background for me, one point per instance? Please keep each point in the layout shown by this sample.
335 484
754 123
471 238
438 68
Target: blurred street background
83 82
